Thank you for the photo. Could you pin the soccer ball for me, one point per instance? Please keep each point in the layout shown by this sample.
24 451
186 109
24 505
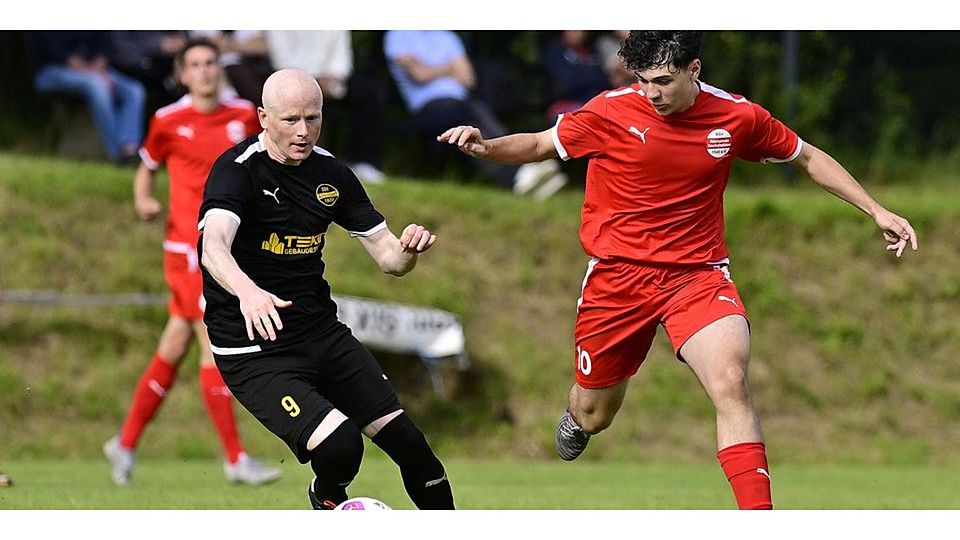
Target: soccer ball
362 503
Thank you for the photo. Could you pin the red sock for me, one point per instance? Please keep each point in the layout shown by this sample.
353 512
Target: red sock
147 398
219 402
745 465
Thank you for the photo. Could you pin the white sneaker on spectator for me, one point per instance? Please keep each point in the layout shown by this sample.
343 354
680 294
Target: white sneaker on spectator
122 460
367 173
249 471
549 188
531 175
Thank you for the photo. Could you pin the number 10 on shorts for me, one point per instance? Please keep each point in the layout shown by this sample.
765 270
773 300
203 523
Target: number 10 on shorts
584 363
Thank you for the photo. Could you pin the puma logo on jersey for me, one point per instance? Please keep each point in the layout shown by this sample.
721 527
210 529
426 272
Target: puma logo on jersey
638 133
274 194
728 299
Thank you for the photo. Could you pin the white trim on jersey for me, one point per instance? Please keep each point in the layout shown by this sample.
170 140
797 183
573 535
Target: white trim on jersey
556 139
183 248
590 264
723 94
148 159
792 157
258 146
322 151
378 228
177 105
227 351
622 92
215 212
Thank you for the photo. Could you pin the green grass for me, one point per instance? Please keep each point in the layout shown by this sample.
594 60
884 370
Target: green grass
853 359
483 484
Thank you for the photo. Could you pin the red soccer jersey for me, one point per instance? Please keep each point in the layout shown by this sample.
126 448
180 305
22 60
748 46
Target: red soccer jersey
188 142
655 183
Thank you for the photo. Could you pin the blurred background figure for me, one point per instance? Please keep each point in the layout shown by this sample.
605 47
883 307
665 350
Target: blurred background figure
76 63
245 59
608 47
435 77
147 55
187 136
347 95
574 71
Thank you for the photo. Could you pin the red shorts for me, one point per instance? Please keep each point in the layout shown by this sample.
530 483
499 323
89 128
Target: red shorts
622 303
186 285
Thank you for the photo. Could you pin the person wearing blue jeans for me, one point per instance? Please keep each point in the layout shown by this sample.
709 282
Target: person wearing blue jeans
75 62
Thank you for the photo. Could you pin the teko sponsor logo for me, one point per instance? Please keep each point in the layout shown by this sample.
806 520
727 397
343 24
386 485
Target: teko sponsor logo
293 244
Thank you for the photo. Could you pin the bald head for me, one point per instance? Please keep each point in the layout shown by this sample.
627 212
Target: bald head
291 115
291 87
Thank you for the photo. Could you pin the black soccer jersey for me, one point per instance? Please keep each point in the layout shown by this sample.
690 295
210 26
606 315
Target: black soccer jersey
283 212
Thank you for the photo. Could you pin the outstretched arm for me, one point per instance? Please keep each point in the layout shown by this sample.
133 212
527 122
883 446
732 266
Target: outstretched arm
517 148
259 307
831 176
398 256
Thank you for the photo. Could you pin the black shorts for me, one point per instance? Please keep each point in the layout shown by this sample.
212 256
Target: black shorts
291 389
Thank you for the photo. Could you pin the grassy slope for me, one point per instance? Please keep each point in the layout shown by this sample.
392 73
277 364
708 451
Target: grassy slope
853 357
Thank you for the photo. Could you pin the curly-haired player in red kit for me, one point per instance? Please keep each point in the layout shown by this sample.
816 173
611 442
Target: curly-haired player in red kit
660 154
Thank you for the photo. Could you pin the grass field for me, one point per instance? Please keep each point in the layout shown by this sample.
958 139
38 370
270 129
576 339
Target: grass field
483 484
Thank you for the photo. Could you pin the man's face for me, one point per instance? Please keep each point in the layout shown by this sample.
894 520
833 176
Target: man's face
668 89
201 71
293 126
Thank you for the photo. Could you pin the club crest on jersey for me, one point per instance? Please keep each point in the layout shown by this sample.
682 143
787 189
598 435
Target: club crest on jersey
718 142
236 131
327 194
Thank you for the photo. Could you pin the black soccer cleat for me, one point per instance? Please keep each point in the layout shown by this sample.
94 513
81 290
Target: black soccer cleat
571 439
316 502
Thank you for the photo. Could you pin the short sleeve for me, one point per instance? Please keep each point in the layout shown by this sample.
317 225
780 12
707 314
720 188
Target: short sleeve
584 132
771 141
356 213
156 147
227 190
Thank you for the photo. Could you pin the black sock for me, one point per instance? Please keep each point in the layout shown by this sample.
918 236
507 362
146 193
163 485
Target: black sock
336 462
423 475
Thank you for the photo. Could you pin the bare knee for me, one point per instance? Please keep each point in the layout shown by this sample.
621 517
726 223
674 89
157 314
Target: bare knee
594 410
729 387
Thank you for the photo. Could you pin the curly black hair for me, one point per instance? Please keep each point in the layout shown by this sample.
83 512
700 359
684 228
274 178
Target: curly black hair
650 49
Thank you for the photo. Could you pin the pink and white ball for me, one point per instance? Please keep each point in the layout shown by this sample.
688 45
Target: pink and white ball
362 503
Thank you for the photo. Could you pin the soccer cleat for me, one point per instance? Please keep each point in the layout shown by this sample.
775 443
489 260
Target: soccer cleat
121 459
249 471
571 439
316 503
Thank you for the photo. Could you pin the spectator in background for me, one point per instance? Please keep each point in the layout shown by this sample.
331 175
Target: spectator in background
574 72
75 62
328 56
608 47
147 55
435 77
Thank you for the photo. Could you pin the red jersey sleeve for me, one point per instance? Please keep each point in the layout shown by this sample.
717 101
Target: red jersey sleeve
156 147
770 140
584 132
